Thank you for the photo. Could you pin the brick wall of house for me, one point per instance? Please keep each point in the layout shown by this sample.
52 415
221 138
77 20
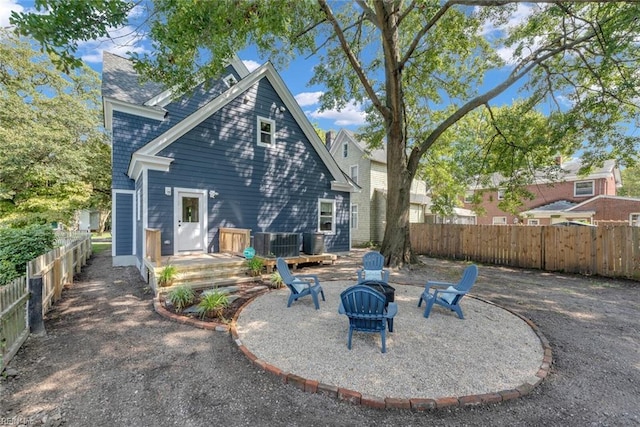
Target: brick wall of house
544 194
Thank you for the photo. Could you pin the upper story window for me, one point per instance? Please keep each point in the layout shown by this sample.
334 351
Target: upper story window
230 80
353 173
468 197
501 194
634 219
327 216
345 150
266 132
583 188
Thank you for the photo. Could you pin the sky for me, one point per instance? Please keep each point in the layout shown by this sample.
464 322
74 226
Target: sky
296 76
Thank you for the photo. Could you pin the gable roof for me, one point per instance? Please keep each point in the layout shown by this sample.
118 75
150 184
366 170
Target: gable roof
146 156
378 155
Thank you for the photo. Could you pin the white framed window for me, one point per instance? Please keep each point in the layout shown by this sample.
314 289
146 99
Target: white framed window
533 221
345 149
327 216
266 132
468 197
353 173
139 204
501 194
634 219
583 188
230 80
354 217
499 220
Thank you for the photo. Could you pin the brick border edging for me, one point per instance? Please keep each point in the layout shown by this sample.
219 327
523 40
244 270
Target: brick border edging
417 404
212 326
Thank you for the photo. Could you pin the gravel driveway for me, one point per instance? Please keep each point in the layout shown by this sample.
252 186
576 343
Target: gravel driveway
109 360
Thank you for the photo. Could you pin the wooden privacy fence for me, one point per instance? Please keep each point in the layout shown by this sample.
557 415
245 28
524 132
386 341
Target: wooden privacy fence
611 251
53 270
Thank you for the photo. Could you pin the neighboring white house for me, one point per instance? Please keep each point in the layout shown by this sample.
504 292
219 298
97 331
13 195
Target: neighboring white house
369 170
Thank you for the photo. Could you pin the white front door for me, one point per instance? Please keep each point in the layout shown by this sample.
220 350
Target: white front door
190 220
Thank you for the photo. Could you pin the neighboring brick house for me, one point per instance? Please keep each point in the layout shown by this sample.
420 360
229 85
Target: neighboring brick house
590 198
369 170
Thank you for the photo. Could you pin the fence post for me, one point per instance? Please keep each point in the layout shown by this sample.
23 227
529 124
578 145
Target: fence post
36 320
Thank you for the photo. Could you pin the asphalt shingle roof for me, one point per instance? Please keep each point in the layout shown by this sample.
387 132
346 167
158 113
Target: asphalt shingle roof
120 81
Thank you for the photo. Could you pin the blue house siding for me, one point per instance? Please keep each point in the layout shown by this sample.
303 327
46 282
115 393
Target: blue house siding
261 188
139 217
124 224
131 132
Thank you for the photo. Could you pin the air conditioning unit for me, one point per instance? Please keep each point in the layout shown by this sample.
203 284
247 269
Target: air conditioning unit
277 244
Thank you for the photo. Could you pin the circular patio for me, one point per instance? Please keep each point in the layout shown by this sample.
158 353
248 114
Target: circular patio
491 355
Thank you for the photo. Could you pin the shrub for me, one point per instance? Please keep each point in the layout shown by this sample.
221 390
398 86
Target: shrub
276 280
212 303
255 266
181 297
167 275
18 246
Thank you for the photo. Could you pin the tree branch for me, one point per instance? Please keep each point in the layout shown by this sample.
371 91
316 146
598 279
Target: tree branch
522 69
416 40
371 93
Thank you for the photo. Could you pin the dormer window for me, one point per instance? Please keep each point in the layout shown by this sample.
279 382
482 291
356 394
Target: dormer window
345 150
266 132
230 80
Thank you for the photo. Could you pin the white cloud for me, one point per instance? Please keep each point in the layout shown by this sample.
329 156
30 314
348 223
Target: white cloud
521 14
306 99
250 64
351 114
6 7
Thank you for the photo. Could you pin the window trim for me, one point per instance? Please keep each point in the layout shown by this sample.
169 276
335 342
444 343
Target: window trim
345 150
351 213
228 78
631 215
504 219
575 188
500 193
357 169
468 197
531 221
333 216
272 123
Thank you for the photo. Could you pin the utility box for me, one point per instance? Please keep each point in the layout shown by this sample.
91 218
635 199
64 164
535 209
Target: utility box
313 243
276 244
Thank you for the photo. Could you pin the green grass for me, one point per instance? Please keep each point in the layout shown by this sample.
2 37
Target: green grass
105 235
98 247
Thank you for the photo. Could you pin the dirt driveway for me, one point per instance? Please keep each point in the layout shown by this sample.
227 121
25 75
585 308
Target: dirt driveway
109 360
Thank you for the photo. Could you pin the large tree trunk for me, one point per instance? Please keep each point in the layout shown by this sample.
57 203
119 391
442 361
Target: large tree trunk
396 245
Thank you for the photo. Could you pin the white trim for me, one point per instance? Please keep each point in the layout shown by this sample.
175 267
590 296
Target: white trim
530 221
272 134
493 220
142 162
338 141
357 168
637 214
110 105
161 100
333 216
239 66
604 196
354 205
593 188
266 70
226 79
204 217
342 186
499 196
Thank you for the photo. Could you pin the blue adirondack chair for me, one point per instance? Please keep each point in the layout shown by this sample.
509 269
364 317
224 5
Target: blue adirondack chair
448 295
373 268
300 285
366 311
